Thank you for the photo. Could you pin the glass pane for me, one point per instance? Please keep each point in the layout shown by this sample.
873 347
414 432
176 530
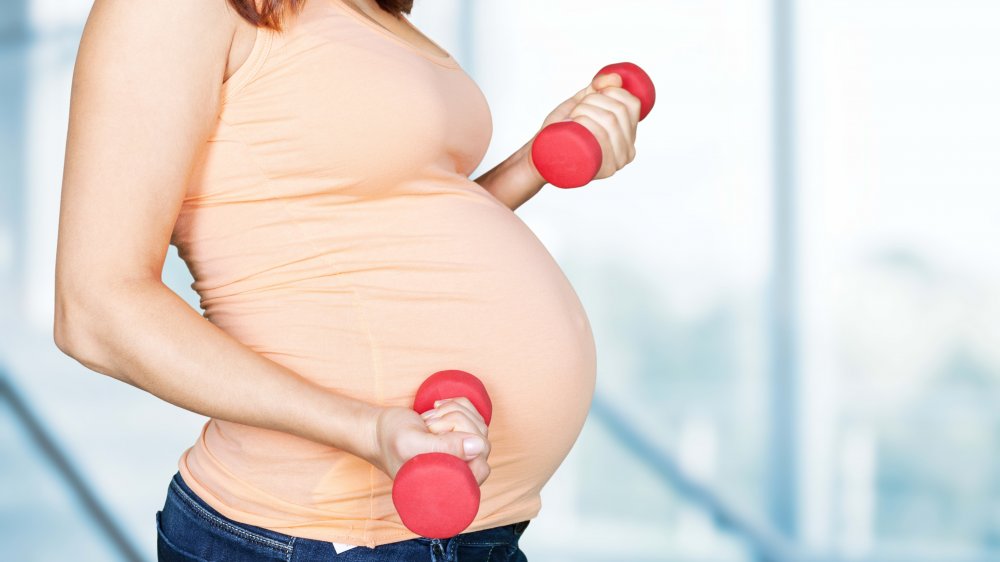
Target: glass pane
605 503
900 131
40 517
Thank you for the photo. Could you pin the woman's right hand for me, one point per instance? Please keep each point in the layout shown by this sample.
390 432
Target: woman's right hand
401 434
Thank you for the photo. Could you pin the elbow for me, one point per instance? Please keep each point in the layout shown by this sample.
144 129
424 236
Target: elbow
60 338
65 327
73 330
73 337
79 330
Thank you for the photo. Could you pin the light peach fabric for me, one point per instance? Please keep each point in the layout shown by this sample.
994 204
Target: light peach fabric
331 226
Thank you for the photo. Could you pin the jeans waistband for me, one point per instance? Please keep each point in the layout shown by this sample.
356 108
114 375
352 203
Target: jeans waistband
501 533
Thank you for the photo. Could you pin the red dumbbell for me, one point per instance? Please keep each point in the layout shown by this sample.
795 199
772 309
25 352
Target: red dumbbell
566 154
436 494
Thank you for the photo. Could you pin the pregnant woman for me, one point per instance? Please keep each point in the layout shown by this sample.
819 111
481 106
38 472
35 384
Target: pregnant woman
310 161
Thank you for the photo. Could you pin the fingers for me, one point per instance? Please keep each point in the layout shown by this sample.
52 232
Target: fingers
459 418
460 401
453 443
480 469
618 109
614 116
612 148
632 104
611 113
453 421
560 113
456 421
599 82
478 464
455 414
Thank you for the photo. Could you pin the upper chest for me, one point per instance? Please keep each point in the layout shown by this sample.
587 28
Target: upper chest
245 32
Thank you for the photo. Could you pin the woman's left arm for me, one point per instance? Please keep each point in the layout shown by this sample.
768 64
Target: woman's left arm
606 109
515 180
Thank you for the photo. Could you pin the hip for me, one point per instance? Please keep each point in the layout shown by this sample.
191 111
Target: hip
189 529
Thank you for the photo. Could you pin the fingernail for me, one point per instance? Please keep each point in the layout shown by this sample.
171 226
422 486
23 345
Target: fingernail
473 446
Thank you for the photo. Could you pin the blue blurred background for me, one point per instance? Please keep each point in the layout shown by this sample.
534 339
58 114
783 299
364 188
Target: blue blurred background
794 288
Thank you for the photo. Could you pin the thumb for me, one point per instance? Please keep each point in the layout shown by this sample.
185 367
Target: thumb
461 444
599 82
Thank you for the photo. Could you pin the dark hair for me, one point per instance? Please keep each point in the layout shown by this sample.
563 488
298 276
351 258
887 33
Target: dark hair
270 13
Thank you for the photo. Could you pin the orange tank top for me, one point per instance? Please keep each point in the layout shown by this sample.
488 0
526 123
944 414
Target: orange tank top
330 225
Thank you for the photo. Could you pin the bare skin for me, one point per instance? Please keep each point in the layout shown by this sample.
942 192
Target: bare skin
372 11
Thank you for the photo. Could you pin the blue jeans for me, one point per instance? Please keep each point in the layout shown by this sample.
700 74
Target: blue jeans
188 529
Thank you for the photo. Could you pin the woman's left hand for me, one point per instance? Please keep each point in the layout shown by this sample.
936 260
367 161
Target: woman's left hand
610 113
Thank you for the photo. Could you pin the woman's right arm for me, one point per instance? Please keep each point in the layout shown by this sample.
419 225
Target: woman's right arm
145 97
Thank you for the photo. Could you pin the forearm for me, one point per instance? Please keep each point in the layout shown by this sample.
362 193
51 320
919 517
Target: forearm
515 180
147 336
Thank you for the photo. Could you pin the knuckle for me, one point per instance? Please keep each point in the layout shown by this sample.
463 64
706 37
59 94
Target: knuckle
586 111
617 103
628 97
587 122
437 425
454 409
480 468
441 446
624 97
590 123
601 131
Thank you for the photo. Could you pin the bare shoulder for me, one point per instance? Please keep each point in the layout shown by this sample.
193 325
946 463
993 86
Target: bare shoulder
154 31
145 97
214 17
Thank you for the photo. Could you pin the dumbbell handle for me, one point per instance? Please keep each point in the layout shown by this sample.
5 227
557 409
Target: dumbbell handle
436 494
566 154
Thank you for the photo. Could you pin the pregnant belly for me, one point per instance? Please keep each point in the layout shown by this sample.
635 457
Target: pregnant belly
399 288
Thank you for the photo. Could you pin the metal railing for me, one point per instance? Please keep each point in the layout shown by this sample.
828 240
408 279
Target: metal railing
64 467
